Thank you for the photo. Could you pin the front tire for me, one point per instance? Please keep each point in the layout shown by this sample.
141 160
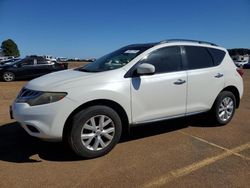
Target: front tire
95 131
8 76
224 108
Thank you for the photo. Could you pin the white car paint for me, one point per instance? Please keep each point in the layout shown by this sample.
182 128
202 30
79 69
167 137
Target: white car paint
144 98
152 96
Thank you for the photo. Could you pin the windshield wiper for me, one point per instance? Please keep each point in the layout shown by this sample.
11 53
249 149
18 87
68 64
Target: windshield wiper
86 70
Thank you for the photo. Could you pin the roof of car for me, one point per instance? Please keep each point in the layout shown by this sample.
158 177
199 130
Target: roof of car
187 40
149 45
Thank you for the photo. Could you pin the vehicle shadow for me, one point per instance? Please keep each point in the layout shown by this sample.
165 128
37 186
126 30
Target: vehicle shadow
151 129
18 147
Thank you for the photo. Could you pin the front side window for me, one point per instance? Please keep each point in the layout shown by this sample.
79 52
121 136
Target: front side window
198 57
165 60
115 60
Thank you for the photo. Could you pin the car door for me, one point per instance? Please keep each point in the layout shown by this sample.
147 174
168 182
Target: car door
163 94
26 68
205 79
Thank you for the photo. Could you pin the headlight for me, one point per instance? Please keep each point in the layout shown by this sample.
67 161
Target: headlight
34 98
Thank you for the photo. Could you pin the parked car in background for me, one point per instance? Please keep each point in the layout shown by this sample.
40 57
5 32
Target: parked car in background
90 106
240 63
29 67
50 58
90 59
62 59
9 61
247 65
6 58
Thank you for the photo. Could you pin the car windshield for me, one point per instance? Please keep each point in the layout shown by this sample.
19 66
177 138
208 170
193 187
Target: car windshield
13 62
116 59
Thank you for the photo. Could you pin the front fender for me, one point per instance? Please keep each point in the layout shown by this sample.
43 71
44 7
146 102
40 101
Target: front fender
118 92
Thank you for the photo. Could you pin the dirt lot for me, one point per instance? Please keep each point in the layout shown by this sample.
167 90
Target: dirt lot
177 153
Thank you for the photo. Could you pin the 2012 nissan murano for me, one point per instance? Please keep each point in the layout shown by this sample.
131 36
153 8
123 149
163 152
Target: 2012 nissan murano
140 83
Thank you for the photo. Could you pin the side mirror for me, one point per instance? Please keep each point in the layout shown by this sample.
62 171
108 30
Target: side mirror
145 69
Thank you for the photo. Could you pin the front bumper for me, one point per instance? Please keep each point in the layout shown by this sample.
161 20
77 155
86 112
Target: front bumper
44 121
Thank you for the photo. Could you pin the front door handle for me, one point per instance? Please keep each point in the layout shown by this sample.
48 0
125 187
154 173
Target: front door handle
179 82
218 75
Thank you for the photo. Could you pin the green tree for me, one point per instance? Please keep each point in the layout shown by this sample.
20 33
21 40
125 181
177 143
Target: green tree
10 48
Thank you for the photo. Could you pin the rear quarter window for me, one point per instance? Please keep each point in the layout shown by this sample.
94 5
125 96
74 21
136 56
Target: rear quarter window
27 62
42 62
218 55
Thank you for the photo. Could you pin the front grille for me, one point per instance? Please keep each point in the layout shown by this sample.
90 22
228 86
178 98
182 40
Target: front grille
27 93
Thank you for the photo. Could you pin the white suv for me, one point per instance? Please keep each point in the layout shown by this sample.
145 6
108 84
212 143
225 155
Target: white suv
140 83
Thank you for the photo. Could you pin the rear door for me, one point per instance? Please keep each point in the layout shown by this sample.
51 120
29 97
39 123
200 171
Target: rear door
205 79
43 66
162 94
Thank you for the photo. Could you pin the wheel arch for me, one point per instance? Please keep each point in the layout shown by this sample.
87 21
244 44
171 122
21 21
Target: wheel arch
105 102
236 93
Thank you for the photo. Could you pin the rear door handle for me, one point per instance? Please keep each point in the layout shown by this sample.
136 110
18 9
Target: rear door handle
218 75
179 82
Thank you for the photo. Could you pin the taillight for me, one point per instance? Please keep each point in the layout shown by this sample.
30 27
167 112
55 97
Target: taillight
240 71
61 65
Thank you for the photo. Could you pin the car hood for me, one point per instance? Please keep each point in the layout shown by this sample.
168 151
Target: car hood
64 80
4 65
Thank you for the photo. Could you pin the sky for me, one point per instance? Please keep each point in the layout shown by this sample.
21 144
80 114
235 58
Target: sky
92 28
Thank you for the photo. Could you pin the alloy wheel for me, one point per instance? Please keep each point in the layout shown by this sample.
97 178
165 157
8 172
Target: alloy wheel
8 76
226 109
98 132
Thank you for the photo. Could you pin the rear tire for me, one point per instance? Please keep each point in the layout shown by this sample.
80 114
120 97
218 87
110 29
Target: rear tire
95 131
224 108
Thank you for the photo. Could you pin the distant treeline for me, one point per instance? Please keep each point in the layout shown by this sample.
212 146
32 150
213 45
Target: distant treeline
239 51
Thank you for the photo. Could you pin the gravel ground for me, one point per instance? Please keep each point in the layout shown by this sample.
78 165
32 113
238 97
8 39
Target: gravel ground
177 153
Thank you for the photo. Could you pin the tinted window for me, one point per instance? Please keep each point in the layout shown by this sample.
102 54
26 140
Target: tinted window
165 59
27 62
218 55
198 57
41 61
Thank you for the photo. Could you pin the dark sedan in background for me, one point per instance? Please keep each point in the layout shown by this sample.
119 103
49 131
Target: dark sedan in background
29 67
247 65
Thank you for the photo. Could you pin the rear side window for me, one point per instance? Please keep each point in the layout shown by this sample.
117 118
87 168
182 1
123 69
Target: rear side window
218 55
27 62
198 57
165 59
41 62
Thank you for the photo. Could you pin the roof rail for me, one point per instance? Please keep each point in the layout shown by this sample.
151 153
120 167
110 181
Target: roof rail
187 40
